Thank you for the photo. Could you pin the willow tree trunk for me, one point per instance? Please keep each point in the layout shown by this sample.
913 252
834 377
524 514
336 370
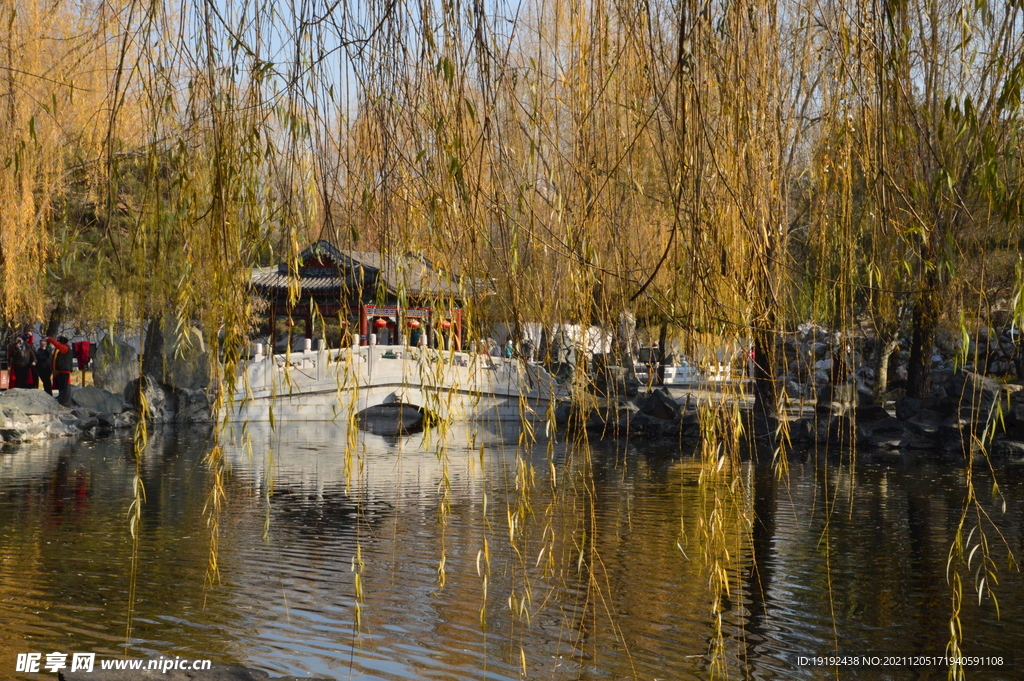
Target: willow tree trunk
544 349
662 352
925 321
885 349
765 403
919 370
56 319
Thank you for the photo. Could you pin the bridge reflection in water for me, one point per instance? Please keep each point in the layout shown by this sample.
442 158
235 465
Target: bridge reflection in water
579 547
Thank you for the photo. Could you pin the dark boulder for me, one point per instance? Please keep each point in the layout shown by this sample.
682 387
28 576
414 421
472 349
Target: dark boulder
870 413
926 422
30 402
918 442
940 381
906 407
835 430
31 415
87 422
98 400
1012 450
837 399
661 405
885 433
115 365
610 416
651 427
615 381
193 406
126 419
1013 414
689 423
176 355
156 402
955 433
84 412
946 406
975 390
803 431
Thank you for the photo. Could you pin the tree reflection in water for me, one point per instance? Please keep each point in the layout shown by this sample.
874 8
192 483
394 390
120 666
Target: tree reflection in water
607 592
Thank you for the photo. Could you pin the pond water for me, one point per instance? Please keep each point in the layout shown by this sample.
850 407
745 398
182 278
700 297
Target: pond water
559 562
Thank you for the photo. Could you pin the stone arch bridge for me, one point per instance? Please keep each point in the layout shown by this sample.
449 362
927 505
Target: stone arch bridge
319 385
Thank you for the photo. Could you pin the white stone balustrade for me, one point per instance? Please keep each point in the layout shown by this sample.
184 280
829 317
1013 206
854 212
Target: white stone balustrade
329 384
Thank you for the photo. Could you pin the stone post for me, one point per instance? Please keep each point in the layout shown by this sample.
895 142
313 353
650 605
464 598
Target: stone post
370 352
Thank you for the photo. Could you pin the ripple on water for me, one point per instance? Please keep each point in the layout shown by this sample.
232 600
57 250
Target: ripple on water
618 599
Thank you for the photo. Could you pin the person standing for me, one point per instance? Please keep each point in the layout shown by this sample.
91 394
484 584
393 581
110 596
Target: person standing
528 350
23 361
44 365
61 367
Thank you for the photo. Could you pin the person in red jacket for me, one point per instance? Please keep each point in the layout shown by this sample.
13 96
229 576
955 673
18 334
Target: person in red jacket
23 361
61 367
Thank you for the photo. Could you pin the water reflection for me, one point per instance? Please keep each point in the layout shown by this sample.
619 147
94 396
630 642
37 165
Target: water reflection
591 583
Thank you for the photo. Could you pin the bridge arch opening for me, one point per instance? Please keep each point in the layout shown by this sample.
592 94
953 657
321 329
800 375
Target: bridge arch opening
395 419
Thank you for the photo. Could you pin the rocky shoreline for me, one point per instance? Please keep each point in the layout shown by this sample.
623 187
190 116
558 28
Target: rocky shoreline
27 415
833 385
964 411
961 415
31 415
174 380
827 374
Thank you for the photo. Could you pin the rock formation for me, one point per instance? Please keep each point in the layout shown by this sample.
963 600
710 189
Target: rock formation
115 365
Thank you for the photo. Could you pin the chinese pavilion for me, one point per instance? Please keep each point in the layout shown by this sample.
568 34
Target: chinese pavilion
389 295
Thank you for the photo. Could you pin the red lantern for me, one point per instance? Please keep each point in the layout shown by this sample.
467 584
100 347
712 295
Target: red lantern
414 324
380 323
446 324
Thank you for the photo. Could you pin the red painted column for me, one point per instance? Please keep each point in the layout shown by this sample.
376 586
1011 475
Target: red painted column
364 330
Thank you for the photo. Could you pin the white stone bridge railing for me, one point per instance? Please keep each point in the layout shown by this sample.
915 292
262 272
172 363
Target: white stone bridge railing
330 383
